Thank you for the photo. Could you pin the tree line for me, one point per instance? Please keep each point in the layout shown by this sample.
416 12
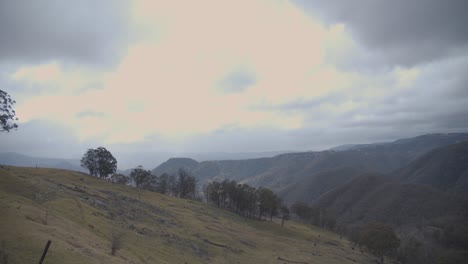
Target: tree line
182 185
101 163
245 200
240 198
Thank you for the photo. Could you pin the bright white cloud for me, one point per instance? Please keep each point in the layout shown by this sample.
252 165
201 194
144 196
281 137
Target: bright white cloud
167 85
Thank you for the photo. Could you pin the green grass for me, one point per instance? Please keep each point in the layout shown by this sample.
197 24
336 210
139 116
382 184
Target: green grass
79 213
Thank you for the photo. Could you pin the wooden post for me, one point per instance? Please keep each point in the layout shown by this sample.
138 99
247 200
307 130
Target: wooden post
45 251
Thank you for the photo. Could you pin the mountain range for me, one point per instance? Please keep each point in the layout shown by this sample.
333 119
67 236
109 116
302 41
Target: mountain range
305 176
417 185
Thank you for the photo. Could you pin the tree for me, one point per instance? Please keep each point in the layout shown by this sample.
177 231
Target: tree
89 161
186 185
268 202
380 239
99 162
212 190
162 184
120 179
284 214
141 177
107 164
7 114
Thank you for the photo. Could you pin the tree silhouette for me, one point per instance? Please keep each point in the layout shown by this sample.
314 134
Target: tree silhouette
186 185
99 162
120 179
141 177
242 199
107 164
89 161
7 114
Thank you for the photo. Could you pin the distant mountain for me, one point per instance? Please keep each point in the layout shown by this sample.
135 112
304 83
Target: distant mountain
280 171
289 173
148 159
15 159
413 146
172 166
444 168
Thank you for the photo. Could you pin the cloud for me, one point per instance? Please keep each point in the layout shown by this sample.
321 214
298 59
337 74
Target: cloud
237 76
402 32
432 98
237 81
87 31
90 113
168 85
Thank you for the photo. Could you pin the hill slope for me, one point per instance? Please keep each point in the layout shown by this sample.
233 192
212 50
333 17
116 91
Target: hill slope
444 168
80 214
372 197
313 187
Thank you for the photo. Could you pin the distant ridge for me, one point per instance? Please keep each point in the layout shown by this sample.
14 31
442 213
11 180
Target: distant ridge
15 159
290 173
182 163
418 143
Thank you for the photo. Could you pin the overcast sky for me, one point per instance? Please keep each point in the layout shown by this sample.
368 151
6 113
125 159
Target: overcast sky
230 76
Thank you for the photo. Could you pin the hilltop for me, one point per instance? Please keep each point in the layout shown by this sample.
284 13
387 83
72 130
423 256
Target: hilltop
80 214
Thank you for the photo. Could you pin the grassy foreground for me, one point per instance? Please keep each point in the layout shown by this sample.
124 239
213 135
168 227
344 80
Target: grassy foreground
80 215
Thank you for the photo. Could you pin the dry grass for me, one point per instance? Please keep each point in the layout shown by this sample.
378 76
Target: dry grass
84 214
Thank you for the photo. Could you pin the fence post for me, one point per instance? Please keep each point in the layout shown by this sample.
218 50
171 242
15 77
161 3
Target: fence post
45 251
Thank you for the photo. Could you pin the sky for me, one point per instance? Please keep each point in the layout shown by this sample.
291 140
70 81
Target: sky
230 76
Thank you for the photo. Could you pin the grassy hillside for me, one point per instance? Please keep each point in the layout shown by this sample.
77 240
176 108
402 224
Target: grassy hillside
80 214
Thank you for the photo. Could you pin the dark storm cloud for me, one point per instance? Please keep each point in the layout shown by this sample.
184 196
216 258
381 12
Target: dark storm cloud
237 81
406 32
86 31
436 102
